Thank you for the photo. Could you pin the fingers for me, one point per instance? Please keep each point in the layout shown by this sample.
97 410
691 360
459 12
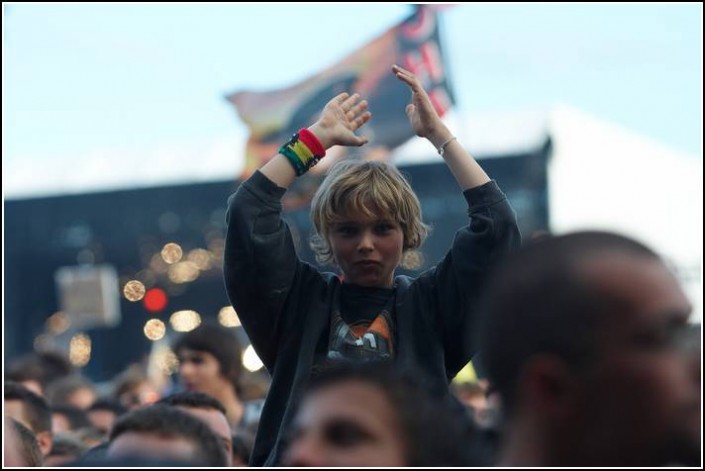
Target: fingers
362 119
361 140
402 73
357 124
339 99
356 113
399 69
356 110
410 109
349 102
407 77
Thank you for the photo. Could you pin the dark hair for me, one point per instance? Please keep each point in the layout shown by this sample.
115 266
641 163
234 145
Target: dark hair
243 441
77 418
59 391
435 431
168 421
68 444
44 367
35 407
26 368
196 400
93 462
218 341
540 301
108 405
30 447
129 379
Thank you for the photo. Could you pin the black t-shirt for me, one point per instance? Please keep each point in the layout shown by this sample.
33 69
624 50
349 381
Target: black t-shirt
359 304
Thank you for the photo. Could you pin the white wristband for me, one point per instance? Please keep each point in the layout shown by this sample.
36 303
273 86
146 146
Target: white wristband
442 149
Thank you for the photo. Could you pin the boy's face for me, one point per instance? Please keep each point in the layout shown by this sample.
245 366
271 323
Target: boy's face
367 250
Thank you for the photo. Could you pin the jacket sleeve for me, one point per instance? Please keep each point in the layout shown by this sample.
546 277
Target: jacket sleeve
455 284
261 266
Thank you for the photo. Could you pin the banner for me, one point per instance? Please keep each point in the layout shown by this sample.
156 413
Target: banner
414 44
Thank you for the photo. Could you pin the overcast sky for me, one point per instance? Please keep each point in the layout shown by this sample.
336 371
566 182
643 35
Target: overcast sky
100 96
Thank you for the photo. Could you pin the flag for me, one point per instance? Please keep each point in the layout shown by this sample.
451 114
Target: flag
274 116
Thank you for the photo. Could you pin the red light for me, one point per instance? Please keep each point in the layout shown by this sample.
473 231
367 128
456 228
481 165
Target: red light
155 300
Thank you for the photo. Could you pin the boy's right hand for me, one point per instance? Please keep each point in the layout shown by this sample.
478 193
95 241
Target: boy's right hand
339 120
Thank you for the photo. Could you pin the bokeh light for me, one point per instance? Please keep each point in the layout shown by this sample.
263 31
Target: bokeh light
154 329
155 300
80 350
185 321
250 360
134 290
58 323
228 317
172 253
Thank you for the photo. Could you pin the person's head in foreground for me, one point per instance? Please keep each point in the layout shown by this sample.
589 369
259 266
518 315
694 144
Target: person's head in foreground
371 415
162 432
583 338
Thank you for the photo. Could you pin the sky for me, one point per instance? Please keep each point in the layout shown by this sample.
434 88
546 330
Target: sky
102 96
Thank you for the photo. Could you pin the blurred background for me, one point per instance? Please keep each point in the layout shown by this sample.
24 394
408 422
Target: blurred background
126 127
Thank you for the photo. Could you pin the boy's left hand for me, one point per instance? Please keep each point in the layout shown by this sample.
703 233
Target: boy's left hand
422 115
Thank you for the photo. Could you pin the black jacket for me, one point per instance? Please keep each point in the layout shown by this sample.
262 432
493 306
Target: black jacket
284 303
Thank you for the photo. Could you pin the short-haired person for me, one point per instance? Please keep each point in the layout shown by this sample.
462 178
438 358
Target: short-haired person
162 432
210 363
369 414
584 340
32 411
209 410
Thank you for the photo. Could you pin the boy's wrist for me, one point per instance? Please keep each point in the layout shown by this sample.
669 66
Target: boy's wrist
321 134
439 136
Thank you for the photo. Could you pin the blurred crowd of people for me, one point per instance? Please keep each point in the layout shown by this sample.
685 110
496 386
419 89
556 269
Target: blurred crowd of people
584 339
60 417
